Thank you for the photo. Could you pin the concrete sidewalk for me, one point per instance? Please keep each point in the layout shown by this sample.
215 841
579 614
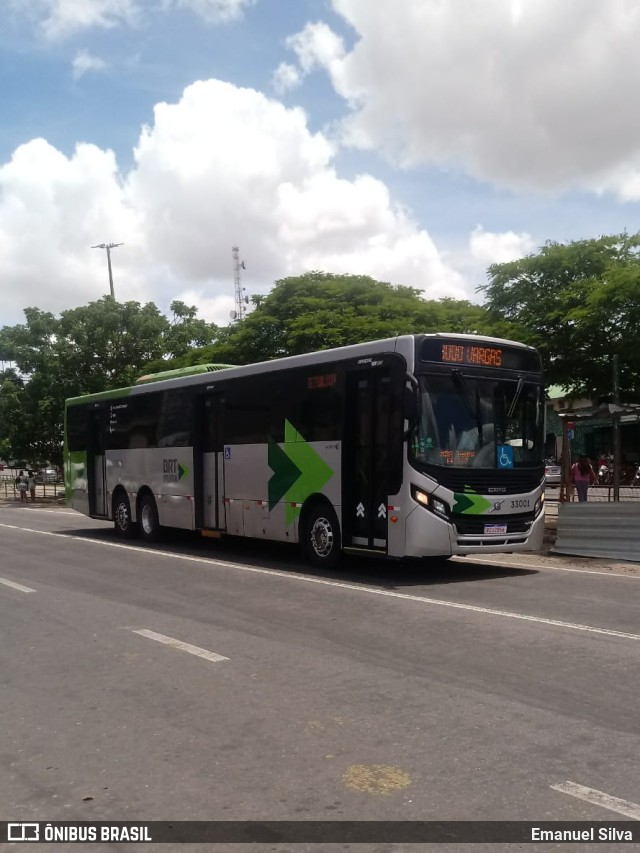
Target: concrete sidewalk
40 501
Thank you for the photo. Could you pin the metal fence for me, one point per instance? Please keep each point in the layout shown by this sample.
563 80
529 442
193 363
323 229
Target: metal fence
9 491
597 494
599 529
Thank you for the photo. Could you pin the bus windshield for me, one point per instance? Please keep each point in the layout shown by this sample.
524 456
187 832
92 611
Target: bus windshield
468 421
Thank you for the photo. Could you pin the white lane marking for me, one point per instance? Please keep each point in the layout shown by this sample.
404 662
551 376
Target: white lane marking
211 561
599 798
53 511
543 567
17 586
178 644
61 511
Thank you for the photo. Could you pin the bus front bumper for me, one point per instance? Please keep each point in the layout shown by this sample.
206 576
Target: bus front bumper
443 539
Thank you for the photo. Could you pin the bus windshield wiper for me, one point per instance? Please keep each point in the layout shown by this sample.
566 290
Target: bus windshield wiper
516 397
471 404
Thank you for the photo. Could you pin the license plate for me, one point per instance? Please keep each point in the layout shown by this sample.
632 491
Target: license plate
495 529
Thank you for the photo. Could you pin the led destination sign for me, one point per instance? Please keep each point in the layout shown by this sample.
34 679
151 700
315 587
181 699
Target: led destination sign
464 353
458 354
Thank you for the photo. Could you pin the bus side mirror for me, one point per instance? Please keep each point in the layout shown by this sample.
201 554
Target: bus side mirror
410 406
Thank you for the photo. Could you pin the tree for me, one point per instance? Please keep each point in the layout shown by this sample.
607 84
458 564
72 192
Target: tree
96 347
320 310
579 304
12 413
187 330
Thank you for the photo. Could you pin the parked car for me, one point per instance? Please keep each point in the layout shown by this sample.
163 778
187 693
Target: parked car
47 475
552 475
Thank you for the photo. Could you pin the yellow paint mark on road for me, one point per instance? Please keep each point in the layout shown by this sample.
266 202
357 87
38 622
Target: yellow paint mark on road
376 778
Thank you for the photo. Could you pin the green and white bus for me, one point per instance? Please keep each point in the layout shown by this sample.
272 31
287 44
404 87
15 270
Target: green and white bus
424 445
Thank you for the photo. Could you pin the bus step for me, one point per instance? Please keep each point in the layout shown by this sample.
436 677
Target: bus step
212 534
352 549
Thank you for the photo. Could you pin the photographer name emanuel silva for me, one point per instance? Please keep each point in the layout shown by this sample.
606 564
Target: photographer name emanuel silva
601 833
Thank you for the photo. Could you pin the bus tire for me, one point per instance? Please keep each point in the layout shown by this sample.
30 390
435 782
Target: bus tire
148 518
122 515
321 541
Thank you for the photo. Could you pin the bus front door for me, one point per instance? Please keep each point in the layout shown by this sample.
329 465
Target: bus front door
209 464
96 463
366 459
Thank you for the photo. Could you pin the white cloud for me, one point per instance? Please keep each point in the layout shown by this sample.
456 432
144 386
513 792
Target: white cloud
52 210
213 309
85 61
536 95
222 167
60 18
285 78
499 248
214 11
316 46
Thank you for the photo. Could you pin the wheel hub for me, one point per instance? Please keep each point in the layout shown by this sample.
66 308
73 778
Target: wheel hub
147 519
122 515
322 537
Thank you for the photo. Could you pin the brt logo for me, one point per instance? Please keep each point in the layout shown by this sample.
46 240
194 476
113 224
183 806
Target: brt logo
172 471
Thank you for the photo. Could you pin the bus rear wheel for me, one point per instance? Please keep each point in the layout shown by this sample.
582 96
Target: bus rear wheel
321 532
148 515
122 516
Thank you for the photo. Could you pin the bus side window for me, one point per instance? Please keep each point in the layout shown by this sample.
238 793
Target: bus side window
247 407
77 426
318 416
174 423
138 423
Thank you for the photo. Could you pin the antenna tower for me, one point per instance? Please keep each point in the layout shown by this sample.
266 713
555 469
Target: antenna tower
241 300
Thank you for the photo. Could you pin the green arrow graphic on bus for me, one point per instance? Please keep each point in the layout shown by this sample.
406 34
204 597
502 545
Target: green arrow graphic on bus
470 503
285 473
298 471
182 470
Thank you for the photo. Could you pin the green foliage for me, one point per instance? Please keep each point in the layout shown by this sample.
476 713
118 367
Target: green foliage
12 406
187 331
96 347
319 311
579 303
108 344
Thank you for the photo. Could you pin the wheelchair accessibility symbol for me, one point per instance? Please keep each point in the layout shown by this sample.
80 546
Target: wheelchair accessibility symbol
505 456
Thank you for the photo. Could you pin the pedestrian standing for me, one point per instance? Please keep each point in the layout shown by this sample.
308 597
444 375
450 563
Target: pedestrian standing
32 486
22 486
583 476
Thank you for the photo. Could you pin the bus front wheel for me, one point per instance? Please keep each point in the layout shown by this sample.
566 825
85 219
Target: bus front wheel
148 515
321 532
122 516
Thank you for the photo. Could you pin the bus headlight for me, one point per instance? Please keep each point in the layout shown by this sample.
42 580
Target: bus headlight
436 505
538 506
419 496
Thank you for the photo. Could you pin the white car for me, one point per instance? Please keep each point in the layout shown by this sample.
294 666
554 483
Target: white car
47 475
552 475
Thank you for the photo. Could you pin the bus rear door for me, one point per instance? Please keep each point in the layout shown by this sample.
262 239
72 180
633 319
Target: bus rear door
96 461
208 460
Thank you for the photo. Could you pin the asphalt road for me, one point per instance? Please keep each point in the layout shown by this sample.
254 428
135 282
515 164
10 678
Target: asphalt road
384 692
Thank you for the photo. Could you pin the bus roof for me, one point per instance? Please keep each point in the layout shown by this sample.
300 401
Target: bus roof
403 344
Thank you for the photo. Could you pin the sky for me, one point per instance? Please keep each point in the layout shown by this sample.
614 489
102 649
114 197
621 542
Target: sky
415 141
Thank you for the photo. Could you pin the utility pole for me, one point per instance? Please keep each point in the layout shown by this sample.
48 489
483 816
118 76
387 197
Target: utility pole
108 247
616 428
241 300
